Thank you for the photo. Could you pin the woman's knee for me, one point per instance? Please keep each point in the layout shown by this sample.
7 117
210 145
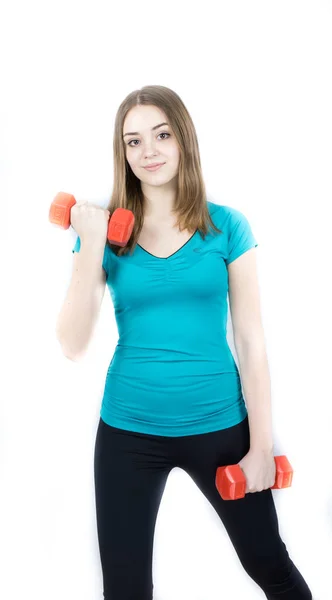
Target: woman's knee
277 575
267 570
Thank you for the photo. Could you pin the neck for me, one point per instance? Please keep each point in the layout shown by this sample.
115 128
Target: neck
159 202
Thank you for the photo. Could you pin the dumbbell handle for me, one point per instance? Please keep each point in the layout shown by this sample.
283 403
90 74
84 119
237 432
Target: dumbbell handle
120 225
231 481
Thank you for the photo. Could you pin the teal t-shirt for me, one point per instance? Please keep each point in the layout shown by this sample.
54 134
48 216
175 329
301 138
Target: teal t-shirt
172 372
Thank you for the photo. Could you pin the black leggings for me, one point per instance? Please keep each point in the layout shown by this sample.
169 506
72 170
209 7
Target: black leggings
131 471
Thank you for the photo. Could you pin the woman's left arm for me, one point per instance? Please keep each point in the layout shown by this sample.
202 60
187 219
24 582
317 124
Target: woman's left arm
249 340
256 384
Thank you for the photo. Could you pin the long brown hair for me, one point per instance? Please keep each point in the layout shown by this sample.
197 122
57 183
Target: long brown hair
190 204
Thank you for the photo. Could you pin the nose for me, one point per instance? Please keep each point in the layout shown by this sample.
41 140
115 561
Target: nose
149 147
150 154
149 151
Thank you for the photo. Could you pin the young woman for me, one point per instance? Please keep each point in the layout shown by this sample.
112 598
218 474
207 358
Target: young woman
173 395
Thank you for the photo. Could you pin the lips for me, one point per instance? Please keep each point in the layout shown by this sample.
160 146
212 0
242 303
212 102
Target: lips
154 167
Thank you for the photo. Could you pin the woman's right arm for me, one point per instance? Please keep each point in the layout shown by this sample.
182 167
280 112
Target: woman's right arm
80 310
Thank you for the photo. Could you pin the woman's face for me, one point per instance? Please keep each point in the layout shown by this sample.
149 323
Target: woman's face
150 145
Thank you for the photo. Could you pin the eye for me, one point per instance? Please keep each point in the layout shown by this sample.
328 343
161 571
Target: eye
163 133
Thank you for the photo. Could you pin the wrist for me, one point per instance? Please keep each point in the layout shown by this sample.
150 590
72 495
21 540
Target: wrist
262 447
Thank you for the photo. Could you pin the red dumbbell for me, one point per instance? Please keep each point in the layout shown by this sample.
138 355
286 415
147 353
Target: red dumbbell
231 481
120 225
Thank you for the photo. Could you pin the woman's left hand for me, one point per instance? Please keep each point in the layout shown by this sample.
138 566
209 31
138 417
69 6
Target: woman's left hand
259 469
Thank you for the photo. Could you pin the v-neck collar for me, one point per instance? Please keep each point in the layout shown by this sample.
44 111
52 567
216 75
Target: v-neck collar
171 255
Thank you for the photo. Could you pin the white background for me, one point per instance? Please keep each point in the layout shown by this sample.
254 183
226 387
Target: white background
256 79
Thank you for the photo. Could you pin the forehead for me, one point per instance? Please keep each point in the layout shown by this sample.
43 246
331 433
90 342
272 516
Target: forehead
143 118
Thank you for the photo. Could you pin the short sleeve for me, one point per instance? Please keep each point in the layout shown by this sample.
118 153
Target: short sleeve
105 257
240 236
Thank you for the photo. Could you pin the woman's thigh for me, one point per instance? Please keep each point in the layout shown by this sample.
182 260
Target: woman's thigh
251 522
130 471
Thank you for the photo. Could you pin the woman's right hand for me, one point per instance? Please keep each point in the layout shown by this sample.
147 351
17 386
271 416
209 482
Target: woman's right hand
90 221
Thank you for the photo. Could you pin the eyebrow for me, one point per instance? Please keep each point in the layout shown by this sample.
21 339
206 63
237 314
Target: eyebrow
152 129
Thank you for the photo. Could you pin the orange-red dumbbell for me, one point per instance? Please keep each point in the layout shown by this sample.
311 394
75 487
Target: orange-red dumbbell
120 225
231 481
